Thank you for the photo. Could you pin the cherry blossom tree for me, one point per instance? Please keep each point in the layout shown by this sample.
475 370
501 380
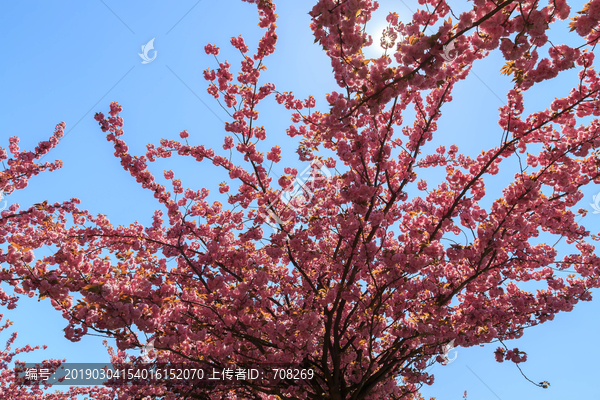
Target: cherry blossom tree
363 280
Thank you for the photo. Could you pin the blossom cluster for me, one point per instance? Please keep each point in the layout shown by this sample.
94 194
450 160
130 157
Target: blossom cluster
366 282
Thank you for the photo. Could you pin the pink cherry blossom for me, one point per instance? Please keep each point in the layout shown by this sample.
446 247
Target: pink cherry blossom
359 273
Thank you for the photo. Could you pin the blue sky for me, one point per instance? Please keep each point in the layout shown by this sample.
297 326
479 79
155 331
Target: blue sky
66 60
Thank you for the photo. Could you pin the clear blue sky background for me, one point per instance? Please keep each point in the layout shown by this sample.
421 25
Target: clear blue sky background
66 60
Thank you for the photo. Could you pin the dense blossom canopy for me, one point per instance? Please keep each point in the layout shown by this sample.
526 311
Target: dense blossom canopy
359 280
